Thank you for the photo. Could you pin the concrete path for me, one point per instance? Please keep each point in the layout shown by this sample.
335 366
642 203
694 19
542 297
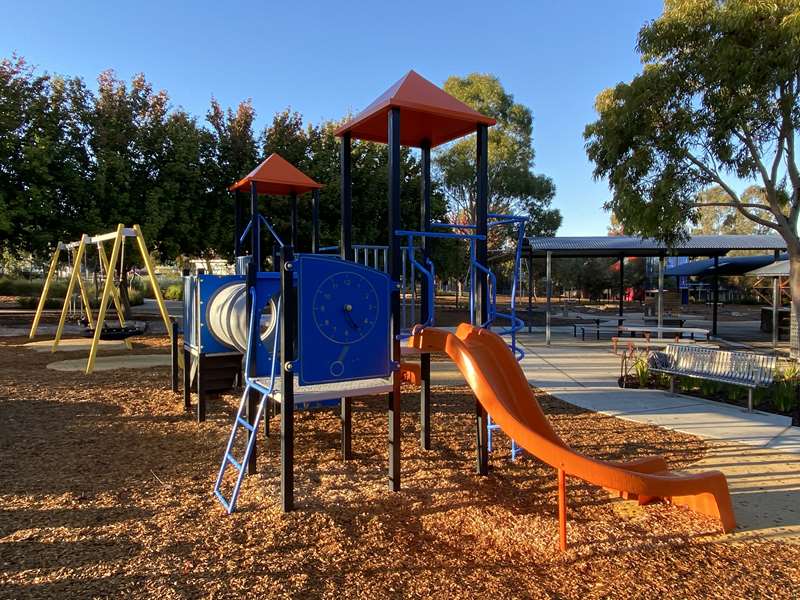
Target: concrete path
758 452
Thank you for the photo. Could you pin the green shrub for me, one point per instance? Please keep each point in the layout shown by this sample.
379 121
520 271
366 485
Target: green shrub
708 388
786 383
642 370
31 302
174 292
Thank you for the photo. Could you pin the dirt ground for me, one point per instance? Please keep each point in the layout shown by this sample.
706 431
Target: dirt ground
106 491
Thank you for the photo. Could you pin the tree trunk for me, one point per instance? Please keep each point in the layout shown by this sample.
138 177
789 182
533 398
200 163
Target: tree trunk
794 287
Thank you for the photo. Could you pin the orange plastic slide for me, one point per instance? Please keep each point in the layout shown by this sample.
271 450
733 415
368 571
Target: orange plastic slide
501 387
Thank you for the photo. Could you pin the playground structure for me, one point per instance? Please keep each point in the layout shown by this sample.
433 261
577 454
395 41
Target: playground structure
97 328
335 326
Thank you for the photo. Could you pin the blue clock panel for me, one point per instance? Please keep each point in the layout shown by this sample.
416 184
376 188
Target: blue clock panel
344 330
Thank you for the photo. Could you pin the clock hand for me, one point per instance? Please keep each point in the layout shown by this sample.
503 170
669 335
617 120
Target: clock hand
348 308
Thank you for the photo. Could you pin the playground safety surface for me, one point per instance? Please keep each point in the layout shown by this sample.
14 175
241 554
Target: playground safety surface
105 488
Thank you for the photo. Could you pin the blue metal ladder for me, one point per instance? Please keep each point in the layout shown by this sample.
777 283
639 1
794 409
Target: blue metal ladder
516 323
251 383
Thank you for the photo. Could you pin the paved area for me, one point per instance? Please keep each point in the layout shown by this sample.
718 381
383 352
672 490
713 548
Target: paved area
108 363
73 345
758 452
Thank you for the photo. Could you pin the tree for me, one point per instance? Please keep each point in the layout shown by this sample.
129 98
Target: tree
716 216
718 101
513 186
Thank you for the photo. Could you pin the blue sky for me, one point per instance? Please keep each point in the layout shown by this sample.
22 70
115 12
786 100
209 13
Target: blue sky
325 58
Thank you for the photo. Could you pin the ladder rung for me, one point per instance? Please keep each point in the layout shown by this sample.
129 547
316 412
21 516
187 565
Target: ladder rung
245 424
233 461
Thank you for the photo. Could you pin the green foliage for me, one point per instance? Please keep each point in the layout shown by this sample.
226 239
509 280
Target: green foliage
513 186
708 388
174 292
718 101
642 370
30 302
76 160
786 387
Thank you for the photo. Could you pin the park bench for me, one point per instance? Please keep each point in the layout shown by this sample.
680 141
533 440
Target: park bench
746 369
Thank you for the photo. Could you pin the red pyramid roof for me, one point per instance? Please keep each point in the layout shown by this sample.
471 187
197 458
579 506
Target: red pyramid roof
427 113
278 177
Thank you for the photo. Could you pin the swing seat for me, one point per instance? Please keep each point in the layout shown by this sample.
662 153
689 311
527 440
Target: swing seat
116 333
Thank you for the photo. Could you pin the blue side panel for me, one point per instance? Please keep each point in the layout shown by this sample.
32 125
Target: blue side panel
207 287
344 321
189 312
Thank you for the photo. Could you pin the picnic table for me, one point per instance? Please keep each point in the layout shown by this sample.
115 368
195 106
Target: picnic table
666 321
592 322
678 332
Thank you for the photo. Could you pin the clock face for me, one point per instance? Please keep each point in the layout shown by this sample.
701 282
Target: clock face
345 307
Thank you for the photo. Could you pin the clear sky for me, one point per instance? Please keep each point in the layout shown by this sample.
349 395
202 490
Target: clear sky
325 58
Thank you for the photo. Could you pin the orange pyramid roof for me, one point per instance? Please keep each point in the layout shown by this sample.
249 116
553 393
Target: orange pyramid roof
426 113
278 177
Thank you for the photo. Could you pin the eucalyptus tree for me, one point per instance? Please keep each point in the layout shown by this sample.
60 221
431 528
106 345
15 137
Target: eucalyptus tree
717 104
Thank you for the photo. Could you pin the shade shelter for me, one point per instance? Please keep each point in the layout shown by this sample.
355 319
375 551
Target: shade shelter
416 113
775 271
727 266
620 247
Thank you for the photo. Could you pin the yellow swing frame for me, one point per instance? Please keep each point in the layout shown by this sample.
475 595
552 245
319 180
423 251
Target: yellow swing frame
109 289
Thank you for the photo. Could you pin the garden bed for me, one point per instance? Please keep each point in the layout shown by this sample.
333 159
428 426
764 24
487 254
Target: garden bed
105 487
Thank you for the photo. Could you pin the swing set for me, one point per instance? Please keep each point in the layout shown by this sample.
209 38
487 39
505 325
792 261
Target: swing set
98 329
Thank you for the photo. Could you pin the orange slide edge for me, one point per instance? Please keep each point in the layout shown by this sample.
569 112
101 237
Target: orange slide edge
501 386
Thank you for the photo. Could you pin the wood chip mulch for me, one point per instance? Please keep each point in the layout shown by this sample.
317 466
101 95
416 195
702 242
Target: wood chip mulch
106 491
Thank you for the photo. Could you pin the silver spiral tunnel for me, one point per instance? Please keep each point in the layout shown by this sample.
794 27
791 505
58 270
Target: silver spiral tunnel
226 316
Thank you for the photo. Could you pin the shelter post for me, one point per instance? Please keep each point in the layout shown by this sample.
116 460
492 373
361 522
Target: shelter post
661 260
621 286
549 292
715 298
394 273
776 300
530 289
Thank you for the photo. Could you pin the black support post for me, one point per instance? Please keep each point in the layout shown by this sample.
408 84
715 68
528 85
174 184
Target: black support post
238 217
345 232
253 397
187 379
174 347
201 389
715 298
315 222
288 328
481 222
347 428
394 273
426 309
293 209
345 235
255 227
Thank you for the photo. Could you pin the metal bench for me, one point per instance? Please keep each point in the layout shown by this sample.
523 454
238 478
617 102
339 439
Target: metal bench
746 369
